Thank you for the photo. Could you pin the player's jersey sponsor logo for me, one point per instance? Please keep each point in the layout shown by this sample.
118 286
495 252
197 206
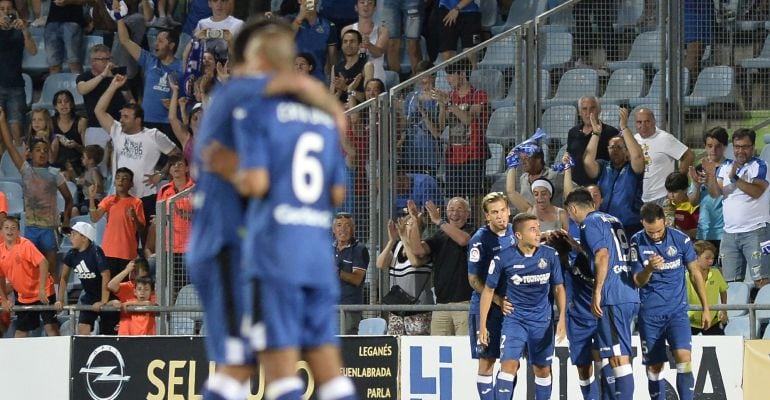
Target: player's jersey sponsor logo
672 264
540 279
285 214
620 268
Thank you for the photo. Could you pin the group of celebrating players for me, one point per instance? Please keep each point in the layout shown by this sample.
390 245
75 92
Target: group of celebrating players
600 280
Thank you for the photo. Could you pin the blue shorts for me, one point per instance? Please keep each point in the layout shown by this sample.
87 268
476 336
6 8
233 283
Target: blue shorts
581 333
223 293
63 39
406 12
655 330
291 316
613 332
14 102
44 239
537 338
494 327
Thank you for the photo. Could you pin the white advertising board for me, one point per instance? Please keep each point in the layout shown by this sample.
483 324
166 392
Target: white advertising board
35 368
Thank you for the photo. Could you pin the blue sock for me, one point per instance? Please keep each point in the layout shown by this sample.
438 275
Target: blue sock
504 386
608 381
224 387
656 386
543 388
685 382
588 389
624 382
485 387
289 388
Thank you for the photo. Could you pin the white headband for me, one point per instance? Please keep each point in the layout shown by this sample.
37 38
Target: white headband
543 184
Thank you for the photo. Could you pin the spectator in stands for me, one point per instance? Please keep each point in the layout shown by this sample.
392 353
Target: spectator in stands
457 19
661 150
339 12
305 63
27 271
16 39
599 13
40 126
69 130
348 76
419 141
711 223
465 110
746 205
409 273
621 177
579 136
406 13
550 217
37 13
374 36
136 147
157 67
221 25
186 127
352 260
122 284
318 36
716 291
686 213
93 83
87 260
699 23
136 24
93 155
166 9
64 35
420 188
534 168
447 250
40 184
196 11
137 323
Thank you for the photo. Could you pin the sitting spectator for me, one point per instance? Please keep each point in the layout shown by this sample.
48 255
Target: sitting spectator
92 156
27 271
39 183
419 141
534 168
318 36
305 63
348 76
465 110
157 67
621 177
711 223
579 136
40 126
87 260
686 213
420 188
374 36
409 273
16 39
409 14
549 216
64 35
716 291
137 323
661 150
352 261
69 131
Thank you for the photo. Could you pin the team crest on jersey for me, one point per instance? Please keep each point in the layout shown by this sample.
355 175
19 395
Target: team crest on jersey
632 255
542 263
475 255
671 251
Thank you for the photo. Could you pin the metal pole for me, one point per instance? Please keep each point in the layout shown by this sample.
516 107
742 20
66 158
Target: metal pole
672 47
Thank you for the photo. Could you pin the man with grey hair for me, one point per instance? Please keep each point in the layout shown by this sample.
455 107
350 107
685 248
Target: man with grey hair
447 249
579 136
660 150
92 84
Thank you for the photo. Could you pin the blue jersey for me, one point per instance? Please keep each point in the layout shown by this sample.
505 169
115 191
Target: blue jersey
529 280
483 246
218 207
666 292
289 230
578 282
623 188
603 231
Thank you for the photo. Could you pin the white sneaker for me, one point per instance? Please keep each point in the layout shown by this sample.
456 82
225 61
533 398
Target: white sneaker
40 21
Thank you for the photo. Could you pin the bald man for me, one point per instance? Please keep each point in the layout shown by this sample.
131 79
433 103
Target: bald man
661 151
579 136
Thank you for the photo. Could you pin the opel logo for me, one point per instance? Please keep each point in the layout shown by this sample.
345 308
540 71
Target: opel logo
104 373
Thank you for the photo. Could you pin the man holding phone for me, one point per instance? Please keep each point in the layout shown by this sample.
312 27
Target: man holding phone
92 85
16 39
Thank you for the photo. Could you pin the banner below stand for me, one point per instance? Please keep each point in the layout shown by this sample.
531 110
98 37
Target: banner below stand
175 367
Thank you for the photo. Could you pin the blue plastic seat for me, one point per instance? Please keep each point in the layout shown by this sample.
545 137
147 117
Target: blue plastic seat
27 88
37 64
500 54
715 85
182 326
556 49
573 85
763 297
609 115
510 99
521 11
762 61
737 293
372 326
623 85
645 52
629 14
55 83
188 296
495 161
14 195
557 121
738 326
502 125
488 80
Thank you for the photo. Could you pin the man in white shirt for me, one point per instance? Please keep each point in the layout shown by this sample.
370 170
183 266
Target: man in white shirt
746 207
661 151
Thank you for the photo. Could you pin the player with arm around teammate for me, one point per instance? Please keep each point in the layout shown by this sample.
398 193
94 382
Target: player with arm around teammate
614 300
485 244
532 271
659 256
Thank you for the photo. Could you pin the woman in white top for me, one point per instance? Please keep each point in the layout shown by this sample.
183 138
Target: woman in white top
549 216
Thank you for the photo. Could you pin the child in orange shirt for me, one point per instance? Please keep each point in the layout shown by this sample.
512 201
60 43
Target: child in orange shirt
126 291
27 270
137 323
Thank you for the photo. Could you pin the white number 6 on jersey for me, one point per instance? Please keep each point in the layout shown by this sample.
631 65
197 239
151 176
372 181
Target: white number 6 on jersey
306 170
